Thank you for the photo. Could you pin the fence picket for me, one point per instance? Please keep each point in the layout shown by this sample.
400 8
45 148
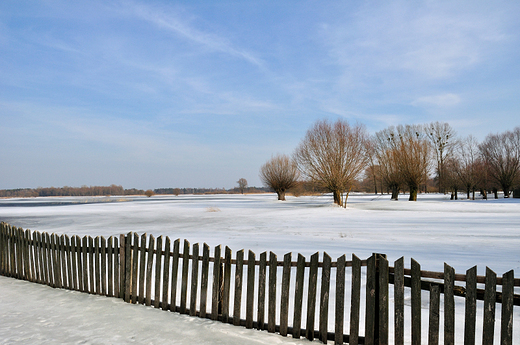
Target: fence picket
449 305
116 268
311 298
227 285
490 295
271 312
204 281
149 267
471 306
250 293
103 252
324 298
262 270
239 269
355 300
284 298
110 266
97 260
166 273
85 264
135 268
142 269
91 265
416 302
298 297
508 290
370 309
175 271
194 279
70 269
383 299
216 284
433 328
399 301
184 282
340 300
158 266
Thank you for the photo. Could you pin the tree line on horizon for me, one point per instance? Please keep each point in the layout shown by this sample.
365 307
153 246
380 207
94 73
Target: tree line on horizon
335 156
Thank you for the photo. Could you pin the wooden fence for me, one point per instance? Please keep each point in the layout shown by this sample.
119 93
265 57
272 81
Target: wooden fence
288 297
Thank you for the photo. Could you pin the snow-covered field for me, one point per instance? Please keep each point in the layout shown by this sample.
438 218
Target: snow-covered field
433 230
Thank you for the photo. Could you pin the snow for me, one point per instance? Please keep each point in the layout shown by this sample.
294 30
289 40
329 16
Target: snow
432 230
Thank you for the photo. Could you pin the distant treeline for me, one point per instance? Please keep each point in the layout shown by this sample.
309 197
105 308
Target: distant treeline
116 190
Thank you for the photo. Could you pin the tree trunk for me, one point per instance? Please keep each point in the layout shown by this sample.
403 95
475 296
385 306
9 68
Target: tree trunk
452 196
495 191
337 198
395 193
467 192
413 192
484 194
456 194
281 195
506 192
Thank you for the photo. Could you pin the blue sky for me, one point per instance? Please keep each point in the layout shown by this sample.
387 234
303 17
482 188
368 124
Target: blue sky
151 94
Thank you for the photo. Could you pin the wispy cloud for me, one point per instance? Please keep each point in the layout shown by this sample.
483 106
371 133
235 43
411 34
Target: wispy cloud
443 100
166 18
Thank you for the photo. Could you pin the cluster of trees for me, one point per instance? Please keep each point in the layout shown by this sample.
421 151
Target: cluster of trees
333 156
70 191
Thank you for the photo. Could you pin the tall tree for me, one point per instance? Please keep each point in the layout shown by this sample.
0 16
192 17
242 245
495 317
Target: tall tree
469 165
333 155
385 150
242 185
443 141
280 173
412 157
502 155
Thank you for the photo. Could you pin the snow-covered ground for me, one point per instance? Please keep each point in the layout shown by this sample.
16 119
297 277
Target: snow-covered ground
432 230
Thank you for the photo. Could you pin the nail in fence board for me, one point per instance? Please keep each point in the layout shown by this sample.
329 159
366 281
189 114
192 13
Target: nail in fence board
262 270
324 298
488 330
340 300
433 329
149 267
298 296
204 281
250 289
194 279
311 298
166 273
284 298
239 269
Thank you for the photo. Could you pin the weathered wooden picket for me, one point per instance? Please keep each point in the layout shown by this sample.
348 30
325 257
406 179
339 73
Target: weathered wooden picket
156 272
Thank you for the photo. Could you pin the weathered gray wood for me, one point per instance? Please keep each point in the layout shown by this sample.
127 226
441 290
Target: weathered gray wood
238 287
142 269
355 300
250 293
36 256
103 272
75 263
399 301
135 268
184 282
433 329
370 311
383 299
110 266
97 259
158 267
262 270
116 268
416 302
340 300
204 281
68 252
488 329
311 297
508 290
271 312
298 296
84 252
28 256
227 285
284 298
92 277
175 270
215 293
128 267
324 297
470 322
166 273
41 246
63 262
57 260
194 279
449 305
149 270
122 266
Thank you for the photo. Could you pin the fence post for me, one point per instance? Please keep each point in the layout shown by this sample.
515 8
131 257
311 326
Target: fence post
122 265
376 299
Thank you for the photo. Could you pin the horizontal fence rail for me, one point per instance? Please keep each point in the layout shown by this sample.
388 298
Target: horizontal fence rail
302 297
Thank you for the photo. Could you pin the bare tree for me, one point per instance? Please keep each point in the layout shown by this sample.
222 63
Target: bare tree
280 173
333 155
242 184
385 150
442 138
412 157
502 155
469 167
